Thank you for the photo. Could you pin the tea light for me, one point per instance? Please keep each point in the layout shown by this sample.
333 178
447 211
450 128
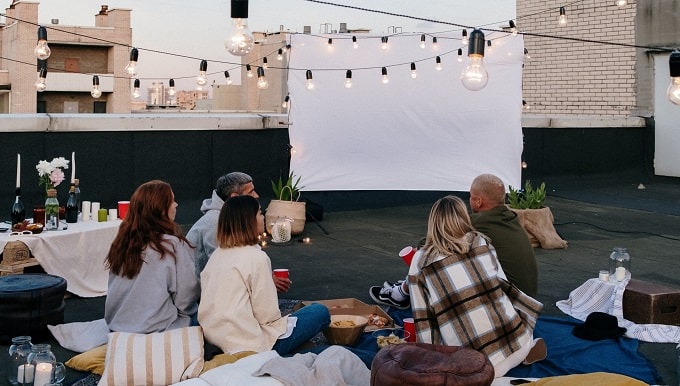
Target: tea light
43 374
25 374
620 273
604 275
306 240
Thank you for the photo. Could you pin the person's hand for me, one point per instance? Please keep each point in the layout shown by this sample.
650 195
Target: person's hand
282 283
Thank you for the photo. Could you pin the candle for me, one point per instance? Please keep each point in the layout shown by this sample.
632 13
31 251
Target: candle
43 374
25 374
73 167
18 170
620 273
604 275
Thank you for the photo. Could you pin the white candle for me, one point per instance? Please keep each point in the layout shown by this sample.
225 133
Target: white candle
73 166
26 370
43 374
18 170
620 273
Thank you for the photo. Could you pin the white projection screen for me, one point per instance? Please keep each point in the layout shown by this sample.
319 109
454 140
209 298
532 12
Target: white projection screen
427 133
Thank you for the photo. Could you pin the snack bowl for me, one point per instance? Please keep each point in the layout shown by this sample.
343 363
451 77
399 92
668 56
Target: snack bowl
35 228
389 336
345 329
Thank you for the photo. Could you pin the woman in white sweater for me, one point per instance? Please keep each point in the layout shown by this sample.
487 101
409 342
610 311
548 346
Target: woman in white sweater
239 306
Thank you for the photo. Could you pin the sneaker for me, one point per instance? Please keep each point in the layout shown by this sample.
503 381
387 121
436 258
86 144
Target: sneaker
537 353
382 295
387 284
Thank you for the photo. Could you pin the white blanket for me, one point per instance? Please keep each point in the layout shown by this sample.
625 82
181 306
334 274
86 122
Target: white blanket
81 336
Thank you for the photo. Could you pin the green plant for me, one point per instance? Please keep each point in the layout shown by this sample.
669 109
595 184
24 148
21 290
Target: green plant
529 198
287 190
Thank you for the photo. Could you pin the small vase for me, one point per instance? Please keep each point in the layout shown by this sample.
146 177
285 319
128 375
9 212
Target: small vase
51 210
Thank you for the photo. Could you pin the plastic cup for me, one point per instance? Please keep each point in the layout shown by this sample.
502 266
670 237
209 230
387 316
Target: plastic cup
407 254
410 327
123 208
282 272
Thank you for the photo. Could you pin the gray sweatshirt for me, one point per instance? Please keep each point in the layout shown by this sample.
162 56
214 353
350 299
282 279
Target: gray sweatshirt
203 234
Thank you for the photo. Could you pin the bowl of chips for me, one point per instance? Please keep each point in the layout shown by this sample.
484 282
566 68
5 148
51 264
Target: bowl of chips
390 336
345 329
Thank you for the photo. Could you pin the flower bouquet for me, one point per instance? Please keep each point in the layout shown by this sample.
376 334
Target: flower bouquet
51 174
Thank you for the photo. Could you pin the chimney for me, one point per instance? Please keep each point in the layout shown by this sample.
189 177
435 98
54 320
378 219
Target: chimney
343 28
100 19
104 10
55 21
307 29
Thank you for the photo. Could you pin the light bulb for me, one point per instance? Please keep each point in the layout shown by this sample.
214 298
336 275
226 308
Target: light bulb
279 56
265 65
435 45
474 76
96 92
422 41
135 90
240 41
513 28
524 165
310 82
563 16
383 45
464 39
673 91
385 78
354 42
413 71
489 49
201 80
285 102
526 54
460 55
226 75
330 43
348 79
171 89
621 3
262 82
42 50
131 68
40 85
249 71
438 62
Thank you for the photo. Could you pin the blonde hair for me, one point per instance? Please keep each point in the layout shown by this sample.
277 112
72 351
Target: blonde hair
447 227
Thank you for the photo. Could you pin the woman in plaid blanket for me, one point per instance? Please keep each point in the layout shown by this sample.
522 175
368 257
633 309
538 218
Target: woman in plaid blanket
460 297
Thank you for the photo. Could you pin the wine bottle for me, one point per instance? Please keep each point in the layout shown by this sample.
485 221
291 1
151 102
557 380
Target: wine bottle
72 205
80 204
18 213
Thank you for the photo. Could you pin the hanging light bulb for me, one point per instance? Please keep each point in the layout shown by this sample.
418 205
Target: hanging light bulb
489 49
526 54
383 45
249 71
474 76
330 43
621 3
524 164
40 85
96 92
135 89
262 82
673 91
513 28
460 54
285 102
422 41
464 39
525 105
354 42
348 79
265 65
201 80
131 68
438 63
171 89
240 41
226 75
279 56
414 74
435 45
563 16
310 82
42 50
385 78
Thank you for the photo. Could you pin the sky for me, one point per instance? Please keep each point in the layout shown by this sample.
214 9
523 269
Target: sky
198 29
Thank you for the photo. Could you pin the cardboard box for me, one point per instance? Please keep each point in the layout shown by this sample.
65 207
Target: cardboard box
352 306
646 303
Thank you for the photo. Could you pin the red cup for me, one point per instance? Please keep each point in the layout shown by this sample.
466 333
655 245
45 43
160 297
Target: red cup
407 254
282 272
123 208
410 327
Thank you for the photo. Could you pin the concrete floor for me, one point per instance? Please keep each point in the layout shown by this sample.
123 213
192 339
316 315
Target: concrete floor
353 250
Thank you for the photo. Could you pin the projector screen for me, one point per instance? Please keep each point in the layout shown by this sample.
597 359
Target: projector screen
422 133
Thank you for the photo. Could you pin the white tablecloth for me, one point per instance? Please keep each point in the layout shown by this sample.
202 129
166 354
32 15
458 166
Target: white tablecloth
77 254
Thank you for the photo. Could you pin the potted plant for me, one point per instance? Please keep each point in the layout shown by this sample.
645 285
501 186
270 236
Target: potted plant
536 219
285 205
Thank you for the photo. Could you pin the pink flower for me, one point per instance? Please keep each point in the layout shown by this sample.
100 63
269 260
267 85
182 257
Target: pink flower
57 176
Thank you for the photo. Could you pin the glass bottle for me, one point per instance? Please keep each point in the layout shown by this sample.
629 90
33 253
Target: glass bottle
44 362
17 369
18 213
619 263
72 205
79 203
51 210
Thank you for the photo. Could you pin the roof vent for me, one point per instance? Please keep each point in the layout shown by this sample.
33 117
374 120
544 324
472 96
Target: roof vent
55 21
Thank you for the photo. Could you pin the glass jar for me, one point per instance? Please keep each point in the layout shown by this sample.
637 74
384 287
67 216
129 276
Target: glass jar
51 210
619 263
281 230
44 362
17 369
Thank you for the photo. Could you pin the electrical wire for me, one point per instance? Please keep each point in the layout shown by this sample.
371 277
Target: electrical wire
617 231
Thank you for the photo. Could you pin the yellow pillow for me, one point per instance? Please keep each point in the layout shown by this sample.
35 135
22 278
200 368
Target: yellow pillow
91 361
223 359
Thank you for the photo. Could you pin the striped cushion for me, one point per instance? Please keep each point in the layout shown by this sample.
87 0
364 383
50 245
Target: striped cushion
161 358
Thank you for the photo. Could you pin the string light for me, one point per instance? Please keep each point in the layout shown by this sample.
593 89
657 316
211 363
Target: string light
524 164
131 68
285 102
171 89
265 65
226 75
310 81
249 71
673 91
330 43
488 45
413 70
135 89
262 82
435 45
354 42
201 80
279 56
241 40
40 85
474 76
438 62
621 3
422 41
96 92
563 17
525 105
385 78
42 50
348 79
513 28
384 42
526 54
460 55
464 39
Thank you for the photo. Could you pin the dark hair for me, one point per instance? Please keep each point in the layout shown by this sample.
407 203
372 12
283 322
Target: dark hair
237 224
231 183
143 227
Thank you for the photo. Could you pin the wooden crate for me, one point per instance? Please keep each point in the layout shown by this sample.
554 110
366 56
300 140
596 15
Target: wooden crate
646 303
18 267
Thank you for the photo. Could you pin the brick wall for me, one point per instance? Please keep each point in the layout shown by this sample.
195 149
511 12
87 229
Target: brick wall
91 59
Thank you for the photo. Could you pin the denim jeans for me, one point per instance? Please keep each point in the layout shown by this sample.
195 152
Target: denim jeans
312 319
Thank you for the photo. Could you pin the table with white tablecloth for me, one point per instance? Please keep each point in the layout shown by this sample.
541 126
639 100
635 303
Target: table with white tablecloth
77 254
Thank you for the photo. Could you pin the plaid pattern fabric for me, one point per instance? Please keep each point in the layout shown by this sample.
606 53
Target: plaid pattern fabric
460 301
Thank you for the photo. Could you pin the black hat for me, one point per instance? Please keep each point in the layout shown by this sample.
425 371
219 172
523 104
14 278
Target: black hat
598 326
